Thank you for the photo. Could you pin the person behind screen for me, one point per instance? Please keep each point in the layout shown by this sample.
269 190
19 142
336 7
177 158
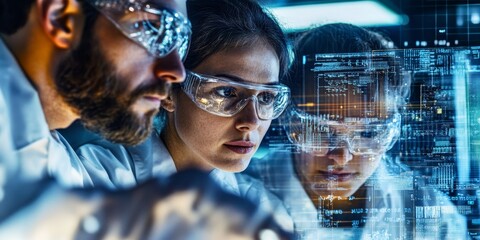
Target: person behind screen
95 60
339 183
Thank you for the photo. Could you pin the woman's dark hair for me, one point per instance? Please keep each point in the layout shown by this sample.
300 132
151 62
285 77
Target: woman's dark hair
221 24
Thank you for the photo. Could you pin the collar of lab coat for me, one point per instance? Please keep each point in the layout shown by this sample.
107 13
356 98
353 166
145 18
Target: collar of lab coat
165 166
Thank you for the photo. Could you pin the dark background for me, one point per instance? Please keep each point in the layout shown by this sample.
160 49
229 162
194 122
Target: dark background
429 20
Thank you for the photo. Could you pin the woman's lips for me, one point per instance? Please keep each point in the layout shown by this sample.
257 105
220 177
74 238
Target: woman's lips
240 147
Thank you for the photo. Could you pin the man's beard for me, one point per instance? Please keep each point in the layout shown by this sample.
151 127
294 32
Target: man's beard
88 83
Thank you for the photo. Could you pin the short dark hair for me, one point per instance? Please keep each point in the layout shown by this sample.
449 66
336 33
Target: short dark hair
343 38
221 24
13 15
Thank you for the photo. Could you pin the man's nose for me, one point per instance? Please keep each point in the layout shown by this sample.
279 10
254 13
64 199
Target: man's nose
170 68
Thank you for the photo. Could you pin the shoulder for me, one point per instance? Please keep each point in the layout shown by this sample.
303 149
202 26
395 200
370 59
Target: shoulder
90 146
78 136
108 162
91 149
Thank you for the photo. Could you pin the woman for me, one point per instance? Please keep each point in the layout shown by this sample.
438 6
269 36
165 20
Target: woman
337 182
217 118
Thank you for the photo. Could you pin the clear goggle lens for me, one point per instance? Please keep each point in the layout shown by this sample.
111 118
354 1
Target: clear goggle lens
364 136
226 98
159 31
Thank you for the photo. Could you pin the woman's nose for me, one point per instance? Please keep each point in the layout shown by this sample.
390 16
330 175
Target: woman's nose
247 118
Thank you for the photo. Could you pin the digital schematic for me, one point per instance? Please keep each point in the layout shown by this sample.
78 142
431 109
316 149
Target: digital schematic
439 136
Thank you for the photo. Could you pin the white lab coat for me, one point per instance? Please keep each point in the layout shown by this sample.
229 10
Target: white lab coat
116 166
25 137
28 152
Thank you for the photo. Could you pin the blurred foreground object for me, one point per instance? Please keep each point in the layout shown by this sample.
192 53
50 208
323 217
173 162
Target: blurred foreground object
188 205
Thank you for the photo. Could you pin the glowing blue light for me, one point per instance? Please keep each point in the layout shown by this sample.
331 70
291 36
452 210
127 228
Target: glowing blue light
362 13
461 79
475 18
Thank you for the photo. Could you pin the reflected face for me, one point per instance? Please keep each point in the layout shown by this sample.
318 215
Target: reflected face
114 84
209 141
338 173
345 141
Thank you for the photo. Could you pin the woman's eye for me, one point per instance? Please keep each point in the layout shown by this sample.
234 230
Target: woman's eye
266 98
226 92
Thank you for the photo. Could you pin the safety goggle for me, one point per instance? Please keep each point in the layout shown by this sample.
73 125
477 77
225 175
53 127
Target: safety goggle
158 30
226 98
361 135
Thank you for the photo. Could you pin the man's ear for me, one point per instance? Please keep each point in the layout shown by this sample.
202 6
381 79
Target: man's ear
61 20
169 104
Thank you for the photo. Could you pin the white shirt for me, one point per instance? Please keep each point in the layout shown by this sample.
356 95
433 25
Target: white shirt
24 129
236 183
26 150
27 145
116 166
163 165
